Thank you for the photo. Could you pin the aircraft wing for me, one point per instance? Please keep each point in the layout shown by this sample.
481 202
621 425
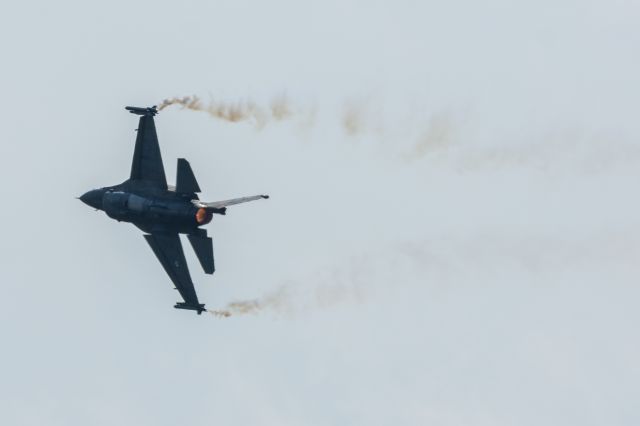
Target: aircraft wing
147 161
168 250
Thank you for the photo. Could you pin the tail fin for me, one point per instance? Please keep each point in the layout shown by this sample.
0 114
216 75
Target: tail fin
186 182
203 246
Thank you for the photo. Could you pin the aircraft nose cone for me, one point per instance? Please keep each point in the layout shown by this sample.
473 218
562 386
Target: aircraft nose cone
92 198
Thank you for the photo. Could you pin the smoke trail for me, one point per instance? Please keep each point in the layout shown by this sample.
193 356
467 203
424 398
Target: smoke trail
281 300
417 134
355 116
440 262
353 119
324 289
363 115
279 109
438 135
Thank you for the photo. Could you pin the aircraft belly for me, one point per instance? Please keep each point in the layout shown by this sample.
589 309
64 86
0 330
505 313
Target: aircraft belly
177 217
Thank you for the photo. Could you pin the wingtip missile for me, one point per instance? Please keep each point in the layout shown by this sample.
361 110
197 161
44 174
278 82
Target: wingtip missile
150 111
199 307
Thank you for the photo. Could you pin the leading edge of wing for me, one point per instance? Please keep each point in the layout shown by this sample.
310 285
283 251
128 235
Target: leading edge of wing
168 250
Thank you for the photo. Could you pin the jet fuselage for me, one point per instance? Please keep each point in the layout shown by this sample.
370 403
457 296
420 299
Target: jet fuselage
149 209
162 211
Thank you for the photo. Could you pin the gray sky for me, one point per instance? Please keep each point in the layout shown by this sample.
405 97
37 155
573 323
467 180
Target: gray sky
467 254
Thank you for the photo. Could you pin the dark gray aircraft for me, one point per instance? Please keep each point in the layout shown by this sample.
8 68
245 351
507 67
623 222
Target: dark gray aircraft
163 212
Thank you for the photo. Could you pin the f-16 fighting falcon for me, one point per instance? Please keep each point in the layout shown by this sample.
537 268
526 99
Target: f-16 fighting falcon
163 212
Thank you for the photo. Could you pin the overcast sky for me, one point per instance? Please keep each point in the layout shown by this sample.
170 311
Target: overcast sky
452 239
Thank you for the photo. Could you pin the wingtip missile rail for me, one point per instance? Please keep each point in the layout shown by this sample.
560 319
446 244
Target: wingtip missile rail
151 111
199 308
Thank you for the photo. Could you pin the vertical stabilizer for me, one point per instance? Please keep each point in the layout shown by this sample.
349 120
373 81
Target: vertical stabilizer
186 182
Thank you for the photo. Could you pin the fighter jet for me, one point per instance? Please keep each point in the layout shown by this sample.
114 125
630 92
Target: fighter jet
164 212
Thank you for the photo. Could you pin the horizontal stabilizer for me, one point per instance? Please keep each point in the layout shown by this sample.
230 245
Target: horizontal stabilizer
203 246
185 180
226 203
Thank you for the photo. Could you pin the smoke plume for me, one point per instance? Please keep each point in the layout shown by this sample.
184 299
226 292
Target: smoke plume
418 133
246 110
322 290
280 301
353 119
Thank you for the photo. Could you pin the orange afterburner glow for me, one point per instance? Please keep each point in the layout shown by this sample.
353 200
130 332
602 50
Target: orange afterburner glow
203 216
